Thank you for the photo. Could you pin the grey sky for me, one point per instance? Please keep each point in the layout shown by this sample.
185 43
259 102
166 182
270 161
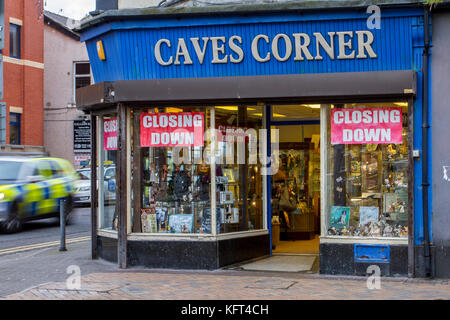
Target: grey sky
75 9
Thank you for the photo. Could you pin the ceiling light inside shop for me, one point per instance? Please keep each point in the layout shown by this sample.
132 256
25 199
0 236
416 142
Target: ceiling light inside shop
233 108
312 106
401 104
275 115
174 110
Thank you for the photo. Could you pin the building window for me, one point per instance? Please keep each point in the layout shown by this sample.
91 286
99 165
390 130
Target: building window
82 74
368 169
14 128
14 41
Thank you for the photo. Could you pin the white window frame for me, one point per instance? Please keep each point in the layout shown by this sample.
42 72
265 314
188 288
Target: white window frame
75 76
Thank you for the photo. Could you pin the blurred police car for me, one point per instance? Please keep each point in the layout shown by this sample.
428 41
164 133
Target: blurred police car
31 189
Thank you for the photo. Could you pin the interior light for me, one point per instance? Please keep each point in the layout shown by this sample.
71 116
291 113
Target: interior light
312 106
401 104
233 108
174 110
277 115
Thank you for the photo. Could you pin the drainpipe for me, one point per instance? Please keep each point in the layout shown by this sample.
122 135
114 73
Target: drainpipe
425 127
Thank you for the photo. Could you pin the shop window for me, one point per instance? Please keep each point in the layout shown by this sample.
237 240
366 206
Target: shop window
14 128
176 173
176 176
239 182
14 40
106 169
367 170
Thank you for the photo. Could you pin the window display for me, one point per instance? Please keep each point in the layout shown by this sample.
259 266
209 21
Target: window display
175 180
368 183
239 189
108 219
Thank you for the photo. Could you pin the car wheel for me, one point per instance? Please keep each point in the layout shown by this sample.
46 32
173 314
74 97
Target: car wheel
13 223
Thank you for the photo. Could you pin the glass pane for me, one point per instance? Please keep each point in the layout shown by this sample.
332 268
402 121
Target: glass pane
106 173
81 82
14 41
14 117
175 180
9 170
82 68
296 185
14 134
239 182
296 112
368 183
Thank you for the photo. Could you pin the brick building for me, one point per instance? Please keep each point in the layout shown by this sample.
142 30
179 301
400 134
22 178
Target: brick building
67 69
23 58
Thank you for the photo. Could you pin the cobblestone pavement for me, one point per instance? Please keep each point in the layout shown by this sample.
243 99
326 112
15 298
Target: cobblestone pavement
167 285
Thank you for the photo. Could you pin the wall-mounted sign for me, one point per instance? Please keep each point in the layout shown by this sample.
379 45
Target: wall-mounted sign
183 129
101 50
341 45
366 126
110 127
81 136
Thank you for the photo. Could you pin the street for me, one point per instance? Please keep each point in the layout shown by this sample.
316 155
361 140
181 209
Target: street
32 267
47 230
32 257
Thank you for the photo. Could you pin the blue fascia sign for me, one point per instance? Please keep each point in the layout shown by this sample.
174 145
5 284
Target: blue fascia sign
282 48
134 50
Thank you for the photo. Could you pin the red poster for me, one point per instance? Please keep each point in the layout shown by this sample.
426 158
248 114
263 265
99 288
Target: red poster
110 134
366 126
184 129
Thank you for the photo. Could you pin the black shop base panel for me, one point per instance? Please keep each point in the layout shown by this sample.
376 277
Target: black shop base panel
188 255
340 259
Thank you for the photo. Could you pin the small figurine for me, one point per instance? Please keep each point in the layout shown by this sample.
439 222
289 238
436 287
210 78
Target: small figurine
387 232
332 231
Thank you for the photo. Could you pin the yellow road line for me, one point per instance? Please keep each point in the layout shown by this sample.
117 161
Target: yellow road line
42 245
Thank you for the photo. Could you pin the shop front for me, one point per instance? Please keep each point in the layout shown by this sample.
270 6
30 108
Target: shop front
256 133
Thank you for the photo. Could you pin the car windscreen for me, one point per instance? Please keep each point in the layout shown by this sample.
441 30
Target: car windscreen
85 174
9 170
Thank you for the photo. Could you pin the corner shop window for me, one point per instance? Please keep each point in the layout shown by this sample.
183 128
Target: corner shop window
239 182
108 128
175 179
368 182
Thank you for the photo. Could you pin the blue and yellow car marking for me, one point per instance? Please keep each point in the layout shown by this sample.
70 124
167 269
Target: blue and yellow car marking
42 197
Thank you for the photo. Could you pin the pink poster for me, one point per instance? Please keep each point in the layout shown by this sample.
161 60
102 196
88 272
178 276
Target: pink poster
110 134
366 126
183 129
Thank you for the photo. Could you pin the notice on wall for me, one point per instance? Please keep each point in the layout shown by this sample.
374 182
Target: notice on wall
81 136
110 127
184 129
366 126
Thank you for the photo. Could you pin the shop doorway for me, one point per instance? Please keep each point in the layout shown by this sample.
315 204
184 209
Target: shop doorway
295 188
